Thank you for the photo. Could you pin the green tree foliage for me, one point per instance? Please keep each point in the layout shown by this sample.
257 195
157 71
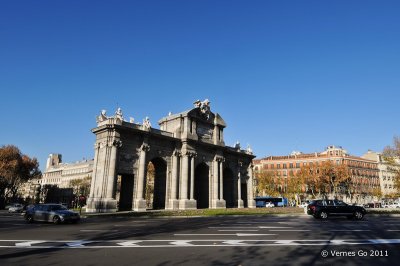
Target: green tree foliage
15 169
325 178
392 156
267 183
81 186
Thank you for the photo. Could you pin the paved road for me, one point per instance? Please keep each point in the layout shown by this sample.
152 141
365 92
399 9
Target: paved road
244 240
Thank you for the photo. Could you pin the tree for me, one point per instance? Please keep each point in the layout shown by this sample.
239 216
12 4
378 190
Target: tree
309 178
81 186
266 183
325 178
15 169
391 155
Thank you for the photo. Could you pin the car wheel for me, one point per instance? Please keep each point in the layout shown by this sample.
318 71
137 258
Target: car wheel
358 215
56 220
323 215
29 219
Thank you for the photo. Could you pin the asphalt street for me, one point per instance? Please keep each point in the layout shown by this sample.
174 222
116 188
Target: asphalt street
239 240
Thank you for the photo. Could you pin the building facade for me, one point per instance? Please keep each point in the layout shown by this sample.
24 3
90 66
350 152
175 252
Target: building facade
364 172
387 173
193 167
61 174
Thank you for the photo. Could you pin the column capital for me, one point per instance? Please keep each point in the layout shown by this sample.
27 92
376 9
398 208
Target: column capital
219 158
177 153
145 147
192 154
117 143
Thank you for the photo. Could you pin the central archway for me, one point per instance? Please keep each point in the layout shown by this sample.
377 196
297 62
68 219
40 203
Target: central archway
156 181
201 184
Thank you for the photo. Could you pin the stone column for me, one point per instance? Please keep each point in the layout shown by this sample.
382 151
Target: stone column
250 196
184 177
173 202
218 201
140 202
192 157
239 184
221 178
184 202
96 156
215 182
174 180
111 180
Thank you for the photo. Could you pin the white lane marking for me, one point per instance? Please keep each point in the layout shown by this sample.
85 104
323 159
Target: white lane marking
242 230
28 243
244 234
275 227
289 230
232 227
184 243
80 243
238 234
97 230
348 230
129 243
202 243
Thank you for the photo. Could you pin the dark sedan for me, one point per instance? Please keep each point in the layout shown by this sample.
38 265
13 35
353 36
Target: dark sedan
55 213
322 209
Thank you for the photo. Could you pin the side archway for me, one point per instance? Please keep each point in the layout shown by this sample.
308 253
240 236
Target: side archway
201 185
229 188
156 180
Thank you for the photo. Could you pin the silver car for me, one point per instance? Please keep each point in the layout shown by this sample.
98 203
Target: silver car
16 207
55 213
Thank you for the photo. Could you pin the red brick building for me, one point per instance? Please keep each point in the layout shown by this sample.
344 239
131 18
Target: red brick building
364 172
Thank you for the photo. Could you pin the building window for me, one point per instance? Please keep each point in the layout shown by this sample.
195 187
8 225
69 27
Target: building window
284 166
278 166
291 165
297 165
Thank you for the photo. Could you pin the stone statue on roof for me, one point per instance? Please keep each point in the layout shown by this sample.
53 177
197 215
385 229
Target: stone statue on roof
118 114
204 107
146 123
102 117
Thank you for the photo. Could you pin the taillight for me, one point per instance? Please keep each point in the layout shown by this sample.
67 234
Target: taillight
312 208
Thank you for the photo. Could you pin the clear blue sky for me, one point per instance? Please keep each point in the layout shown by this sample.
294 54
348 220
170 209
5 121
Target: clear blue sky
285 75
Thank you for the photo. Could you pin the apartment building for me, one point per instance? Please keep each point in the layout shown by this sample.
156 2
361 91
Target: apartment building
364 171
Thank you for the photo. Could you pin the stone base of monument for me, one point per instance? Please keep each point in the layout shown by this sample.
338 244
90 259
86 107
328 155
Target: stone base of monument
218 204
187 204
173 205
101 205
139 205
240 203
251 204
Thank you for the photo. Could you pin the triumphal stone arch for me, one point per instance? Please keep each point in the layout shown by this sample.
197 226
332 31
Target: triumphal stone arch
193 168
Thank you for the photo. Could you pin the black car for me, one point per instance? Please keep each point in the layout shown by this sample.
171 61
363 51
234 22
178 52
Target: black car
322 209
55 213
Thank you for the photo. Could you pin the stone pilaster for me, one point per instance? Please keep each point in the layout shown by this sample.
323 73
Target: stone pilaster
184 202
250 195
239 186
217 199
139 203
173 201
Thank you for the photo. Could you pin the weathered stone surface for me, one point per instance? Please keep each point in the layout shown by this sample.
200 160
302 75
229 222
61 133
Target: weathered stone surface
193 167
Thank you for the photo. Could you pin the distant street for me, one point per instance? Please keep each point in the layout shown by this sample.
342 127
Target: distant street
242 240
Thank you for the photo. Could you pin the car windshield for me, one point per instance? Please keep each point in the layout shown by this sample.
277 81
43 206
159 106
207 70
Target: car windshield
58 208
